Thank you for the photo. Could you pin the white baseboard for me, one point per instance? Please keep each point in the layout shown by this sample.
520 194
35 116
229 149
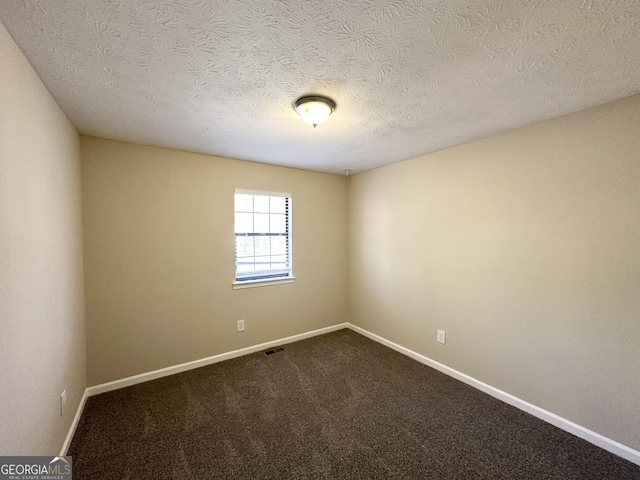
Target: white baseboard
74 425
183 367
593 437
589 435
164 372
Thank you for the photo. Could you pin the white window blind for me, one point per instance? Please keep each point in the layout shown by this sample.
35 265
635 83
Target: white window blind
263 235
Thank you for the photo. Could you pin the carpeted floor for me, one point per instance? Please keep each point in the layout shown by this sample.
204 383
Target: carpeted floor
334 406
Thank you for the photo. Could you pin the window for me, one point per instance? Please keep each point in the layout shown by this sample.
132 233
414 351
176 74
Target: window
263 236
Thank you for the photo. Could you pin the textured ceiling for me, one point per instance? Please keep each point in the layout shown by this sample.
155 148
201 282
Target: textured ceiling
409 77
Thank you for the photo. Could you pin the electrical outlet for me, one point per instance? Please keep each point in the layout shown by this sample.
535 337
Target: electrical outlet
240 324
63 402
441 336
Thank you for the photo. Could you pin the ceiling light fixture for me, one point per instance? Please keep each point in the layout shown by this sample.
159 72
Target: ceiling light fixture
314 110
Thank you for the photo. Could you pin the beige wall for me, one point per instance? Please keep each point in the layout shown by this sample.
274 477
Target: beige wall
42 345
159 257
525 249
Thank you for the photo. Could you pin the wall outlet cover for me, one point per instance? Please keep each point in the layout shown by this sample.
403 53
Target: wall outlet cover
441 336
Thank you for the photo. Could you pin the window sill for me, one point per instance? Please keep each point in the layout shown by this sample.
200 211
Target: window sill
262 283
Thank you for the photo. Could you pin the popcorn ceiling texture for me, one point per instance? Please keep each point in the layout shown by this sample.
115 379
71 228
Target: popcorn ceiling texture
409 76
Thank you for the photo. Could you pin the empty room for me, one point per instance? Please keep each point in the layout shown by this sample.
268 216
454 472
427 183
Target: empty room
320 239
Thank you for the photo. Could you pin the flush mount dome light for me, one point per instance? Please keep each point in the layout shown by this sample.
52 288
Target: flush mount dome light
314 110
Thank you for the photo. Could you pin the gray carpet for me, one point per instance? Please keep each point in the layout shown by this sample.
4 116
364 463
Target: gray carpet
333 406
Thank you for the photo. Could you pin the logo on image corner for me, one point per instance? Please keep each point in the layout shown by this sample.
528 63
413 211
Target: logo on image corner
35 468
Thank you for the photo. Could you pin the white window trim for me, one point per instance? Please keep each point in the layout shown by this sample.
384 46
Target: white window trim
244 191
264 282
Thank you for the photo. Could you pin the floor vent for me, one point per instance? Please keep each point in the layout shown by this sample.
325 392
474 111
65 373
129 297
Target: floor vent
271 351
